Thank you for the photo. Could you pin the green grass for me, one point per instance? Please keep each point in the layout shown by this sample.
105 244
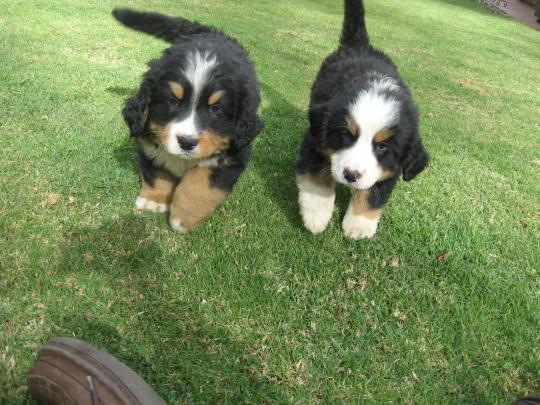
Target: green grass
249 307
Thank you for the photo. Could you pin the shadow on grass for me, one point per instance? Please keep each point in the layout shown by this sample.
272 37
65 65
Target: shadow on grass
127 155
121 91
169 340
276 152
184 359
122 247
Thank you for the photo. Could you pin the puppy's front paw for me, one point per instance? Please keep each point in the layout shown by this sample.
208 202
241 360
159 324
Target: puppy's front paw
142 203
176 224
359 227
316 209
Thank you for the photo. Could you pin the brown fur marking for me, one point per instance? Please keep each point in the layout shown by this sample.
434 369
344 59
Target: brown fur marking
162 190
383 135
360 205
352 127
215 97
177 89
194 199
386 174
162 132
321 180
211 143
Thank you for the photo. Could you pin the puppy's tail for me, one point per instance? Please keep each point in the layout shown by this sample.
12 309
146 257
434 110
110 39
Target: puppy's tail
158 25
354 33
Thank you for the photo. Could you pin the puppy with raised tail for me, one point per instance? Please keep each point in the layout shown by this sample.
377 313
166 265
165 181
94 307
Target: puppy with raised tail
363 133
194 117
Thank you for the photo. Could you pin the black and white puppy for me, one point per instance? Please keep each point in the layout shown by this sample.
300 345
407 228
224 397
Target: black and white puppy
193 117
363 133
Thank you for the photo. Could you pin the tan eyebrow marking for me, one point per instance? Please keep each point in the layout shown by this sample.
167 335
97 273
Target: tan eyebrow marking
351 126
177 89
383 135
215 97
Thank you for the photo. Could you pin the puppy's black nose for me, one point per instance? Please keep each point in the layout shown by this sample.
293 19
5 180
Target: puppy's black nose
187 143
351 175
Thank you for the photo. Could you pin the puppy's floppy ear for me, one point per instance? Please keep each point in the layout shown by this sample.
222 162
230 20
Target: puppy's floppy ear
416 160
318 119
249 127
248 122
135 111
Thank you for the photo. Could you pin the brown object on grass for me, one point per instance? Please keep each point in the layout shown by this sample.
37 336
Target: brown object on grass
528 401
70 371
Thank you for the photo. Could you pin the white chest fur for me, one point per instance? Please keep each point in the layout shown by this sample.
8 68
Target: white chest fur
177 165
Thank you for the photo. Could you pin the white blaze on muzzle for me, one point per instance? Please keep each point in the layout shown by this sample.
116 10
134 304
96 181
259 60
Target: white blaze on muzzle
198 72
373 110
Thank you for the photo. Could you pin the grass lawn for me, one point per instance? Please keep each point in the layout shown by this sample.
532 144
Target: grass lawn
250 307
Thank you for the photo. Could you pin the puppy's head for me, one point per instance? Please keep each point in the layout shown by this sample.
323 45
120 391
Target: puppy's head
194 105
370 134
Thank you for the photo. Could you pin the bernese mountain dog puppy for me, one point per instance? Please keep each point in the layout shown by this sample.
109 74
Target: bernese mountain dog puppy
193 117
363 132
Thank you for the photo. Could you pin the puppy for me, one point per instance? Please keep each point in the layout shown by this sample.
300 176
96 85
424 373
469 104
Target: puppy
194 118
363 132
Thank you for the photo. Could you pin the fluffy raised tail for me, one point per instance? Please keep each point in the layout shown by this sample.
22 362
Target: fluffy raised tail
354 33
158 25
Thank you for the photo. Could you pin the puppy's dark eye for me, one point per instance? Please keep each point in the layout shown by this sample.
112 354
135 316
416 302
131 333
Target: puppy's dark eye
381 147
215 110
173 101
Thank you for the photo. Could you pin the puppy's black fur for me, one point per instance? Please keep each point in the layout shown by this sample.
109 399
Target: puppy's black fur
353 70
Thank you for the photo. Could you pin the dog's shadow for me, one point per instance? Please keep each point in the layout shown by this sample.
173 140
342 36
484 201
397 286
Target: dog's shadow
276 151
126 154
181 351
121 91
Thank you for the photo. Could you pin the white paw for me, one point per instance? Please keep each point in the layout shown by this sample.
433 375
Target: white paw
316 206
145 204
176 224
359 227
